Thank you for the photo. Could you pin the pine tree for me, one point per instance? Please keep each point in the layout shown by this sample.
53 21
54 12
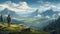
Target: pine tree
1 18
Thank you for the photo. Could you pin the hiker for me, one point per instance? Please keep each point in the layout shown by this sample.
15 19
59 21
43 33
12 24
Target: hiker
8 20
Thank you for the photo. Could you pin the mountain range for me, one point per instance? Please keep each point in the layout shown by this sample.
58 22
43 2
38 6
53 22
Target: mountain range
30 19
50 13
7 11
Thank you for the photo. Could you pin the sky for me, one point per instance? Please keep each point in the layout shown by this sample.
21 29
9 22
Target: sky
27 6
32 2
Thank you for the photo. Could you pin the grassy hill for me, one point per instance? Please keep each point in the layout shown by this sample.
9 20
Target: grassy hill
18 29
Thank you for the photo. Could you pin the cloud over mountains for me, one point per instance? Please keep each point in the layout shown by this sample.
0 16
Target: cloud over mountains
24 7
20 7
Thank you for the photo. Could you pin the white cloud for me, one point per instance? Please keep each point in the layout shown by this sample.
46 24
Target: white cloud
47 6
38 15
23 7
47 16
20 7
17 18
59 14
55 16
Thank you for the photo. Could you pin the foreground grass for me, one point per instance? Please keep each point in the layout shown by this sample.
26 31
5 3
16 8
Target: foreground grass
17 29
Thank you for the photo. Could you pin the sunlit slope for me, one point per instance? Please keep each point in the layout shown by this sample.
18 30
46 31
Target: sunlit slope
13 27
18 29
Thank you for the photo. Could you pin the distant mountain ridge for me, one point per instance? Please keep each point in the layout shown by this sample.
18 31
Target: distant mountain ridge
7 11
49 13
32 14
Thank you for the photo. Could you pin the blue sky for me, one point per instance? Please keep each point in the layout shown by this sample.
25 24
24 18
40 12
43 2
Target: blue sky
32 3
30 0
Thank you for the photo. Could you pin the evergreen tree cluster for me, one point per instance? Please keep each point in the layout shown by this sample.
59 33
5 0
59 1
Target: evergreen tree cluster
1 18
54 27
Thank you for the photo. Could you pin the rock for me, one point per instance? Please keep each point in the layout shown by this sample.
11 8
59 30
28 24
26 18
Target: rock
26 29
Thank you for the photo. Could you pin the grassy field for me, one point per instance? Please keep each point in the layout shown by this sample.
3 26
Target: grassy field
17 29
